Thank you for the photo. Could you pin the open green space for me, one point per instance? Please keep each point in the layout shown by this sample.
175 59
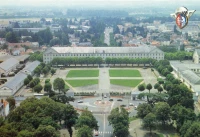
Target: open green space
124 73
83 73
126 82
80 83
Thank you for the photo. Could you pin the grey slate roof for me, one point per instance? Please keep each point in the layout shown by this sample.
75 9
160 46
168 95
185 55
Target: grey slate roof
9 63
14 83
186 72
140 49
31 66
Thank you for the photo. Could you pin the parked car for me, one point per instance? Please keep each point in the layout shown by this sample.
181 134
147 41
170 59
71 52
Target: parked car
80 101
111 99
119 99
131 104
122 105
96 133
135 107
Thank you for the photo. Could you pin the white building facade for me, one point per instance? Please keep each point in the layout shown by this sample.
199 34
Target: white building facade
103 52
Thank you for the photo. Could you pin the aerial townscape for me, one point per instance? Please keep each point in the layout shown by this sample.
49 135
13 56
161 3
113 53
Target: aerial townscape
98 68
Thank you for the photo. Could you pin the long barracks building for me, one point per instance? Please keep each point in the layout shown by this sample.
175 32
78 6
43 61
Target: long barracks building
104 52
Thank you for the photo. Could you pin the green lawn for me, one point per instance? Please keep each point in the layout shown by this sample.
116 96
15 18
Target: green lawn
83 73
124 73
126 82
80 83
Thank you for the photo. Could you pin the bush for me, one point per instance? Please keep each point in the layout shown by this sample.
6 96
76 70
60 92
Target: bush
47 81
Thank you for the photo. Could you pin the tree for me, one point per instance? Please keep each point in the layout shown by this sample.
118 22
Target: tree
11 102
46 131
69 116
119 119
162 112
25 133
143 110
185 127
141 87
29 77
26 81
194 130
38 88
149 87
11 37
59 84
87 118
84 131
47 87
160 89
53 71
156 86
149 122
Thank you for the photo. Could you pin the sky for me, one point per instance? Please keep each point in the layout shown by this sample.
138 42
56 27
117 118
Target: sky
92 2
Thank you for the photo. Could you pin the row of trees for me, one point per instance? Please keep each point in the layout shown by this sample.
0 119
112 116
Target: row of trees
180 55
98 60
175 107
74 61
36 56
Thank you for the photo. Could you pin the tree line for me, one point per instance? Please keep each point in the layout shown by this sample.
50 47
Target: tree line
98 60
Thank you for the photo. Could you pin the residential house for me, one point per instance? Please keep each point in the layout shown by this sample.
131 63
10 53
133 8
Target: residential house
4 108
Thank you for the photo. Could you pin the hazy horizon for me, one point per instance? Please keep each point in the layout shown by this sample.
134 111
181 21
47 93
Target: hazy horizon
98 3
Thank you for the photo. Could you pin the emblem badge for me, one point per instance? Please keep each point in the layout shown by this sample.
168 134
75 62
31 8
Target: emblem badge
182 16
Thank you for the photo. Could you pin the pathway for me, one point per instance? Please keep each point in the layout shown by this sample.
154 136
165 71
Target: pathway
104 80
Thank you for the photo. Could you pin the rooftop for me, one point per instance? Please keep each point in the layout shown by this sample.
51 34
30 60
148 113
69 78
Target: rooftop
140 49
31 66
14 83
9 63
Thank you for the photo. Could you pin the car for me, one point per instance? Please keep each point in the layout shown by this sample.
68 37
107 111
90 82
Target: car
131 104
98 100
144 67
111 99
122 105
80 101
119 99
105 96
96 133
135 107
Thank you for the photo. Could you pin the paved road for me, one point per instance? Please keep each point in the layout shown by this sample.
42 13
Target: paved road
107 35
104 81
105 130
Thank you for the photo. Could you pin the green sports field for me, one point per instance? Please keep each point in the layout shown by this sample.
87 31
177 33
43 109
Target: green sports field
126 82
83 73
80 83
124 73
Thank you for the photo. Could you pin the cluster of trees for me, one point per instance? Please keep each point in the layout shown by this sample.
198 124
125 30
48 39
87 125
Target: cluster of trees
85 124
36 56
173 107
180 55
74 61
42 69
163 67
38 118
119 119
34 84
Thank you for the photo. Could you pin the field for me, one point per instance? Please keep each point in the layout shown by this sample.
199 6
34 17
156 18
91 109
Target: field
83 73
124 73
126 82
80 83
